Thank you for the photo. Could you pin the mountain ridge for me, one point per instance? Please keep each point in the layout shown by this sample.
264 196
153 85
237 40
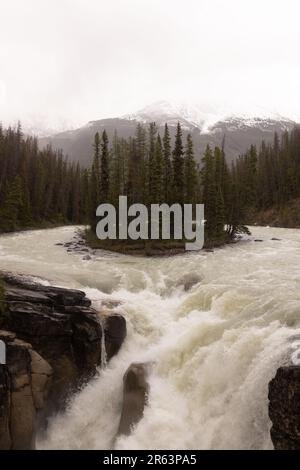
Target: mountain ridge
206 127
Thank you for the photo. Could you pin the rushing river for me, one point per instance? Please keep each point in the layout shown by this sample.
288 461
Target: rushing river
213 348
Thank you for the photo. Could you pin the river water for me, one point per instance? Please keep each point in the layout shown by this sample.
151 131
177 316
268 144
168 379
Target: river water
213 348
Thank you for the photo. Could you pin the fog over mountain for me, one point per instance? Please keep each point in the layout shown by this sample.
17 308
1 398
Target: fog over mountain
207 126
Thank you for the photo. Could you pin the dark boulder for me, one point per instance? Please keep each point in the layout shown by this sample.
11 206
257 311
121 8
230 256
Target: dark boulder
135 392
284 408
115 333
86 342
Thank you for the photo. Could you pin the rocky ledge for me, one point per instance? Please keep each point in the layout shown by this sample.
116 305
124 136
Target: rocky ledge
54 343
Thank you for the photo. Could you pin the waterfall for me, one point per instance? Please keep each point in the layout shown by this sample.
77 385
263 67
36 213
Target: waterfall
214 343
103 348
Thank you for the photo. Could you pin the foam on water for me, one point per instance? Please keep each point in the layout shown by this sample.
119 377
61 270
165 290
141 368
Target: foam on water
213 349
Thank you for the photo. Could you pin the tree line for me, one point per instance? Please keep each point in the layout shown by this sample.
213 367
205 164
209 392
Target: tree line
270 174
40 187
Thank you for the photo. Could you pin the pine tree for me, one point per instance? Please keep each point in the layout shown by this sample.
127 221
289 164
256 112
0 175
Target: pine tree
209 192
140 173
251 177
12 205
190 173
167 167
157 177
104 173
95 180
219 181
115 171
178 168
151 162
86 196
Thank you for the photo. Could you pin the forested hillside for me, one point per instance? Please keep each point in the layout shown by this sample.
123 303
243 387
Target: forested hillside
271 179
37 187
240 134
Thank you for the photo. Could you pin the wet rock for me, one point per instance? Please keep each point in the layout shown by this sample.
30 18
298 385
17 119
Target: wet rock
80 309
22 394
22 410
18 295
135 392
20 288
67 297
53 339
284 408
61 339
34 321
67 336
115 333
86 342
87 258
41 376
276 239
59 244
258 240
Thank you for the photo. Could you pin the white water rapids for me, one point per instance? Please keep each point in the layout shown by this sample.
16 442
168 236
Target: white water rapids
213 348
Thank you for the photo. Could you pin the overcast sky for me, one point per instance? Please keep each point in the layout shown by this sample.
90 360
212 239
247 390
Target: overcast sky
71 61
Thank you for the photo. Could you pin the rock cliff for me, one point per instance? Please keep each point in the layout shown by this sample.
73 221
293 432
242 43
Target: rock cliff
53 341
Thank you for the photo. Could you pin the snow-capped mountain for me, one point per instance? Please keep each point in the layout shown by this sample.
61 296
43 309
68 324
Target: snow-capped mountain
161 112
204 118
206 124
